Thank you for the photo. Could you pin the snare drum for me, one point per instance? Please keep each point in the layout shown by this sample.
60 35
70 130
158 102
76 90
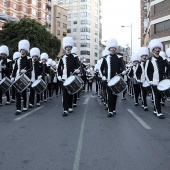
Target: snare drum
164 88
81 81
146 86
117 84
72 84
21 83
39 86
5 84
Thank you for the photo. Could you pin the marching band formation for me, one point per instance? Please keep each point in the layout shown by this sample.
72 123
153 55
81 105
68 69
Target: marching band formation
35 78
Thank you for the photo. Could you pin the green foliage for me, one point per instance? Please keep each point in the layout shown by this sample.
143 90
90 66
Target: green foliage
33 31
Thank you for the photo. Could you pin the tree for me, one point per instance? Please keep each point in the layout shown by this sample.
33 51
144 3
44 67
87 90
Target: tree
33 31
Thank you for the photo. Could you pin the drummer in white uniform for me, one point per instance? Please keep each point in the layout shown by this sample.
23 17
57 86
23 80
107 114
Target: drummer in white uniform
111 65
68 65
35 74
5 70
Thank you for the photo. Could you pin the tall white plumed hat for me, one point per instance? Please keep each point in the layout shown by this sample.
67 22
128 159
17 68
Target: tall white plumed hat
24 45
74 50
67 41
44 56
162 54
143 51
168 52
105 52
155 43
16 55
135 57
35 52
111 43
4 50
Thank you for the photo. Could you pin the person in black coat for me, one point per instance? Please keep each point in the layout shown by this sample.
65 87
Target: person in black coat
111 65
155 72
68 65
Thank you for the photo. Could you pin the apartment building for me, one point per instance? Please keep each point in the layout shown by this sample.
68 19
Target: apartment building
156 21
84 25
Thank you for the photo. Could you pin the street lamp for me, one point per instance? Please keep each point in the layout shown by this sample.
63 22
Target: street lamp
131 35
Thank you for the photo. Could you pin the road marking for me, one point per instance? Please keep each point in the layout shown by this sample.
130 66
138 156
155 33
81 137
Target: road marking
87 99
78 152
145 125
27 114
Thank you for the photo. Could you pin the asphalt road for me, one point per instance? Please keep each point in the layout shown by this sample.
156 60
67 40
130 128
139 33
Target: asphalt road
41 139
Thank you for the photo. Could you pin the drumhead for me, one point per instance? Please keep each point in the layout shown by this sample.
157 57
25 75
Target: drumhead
114 80
163 85
36 82
145 84
69 80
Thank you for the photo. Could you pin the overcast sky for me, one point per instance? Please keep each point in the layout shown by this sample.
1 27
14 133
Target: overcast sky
116 13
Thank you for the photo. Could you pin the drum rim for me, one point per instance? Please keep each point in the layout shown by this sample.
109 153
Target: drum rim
64 84
112 79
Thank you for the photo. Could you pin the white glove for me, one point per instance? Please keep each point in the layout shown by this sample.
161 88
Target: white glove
12 79
59 78
3 66
47 74
39 77
150 82
123 72
104 78
138 81
77 71
23 71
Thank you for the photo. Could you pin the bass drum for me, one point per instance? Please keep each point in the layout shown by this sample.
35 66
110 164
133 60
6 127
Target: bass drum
164 88
21 83
72 84
147 86
117 84
5 84
39 86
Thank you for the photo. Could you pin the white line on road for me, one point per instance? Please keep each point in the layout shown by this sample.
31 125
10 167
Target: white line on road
145 125
87 99
78 152
27 114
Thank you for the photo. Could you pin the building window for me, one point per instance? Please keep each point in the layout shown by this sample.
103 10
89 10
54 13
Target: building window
4 2
95 54
64 17
86 1
15 6
68 15
96 26
58 32
34 12
75 44
85 52
69 23
64 34
74 29
95 40
85 22
24 9
162 26
64 25
44 6
85 29
74 14
85 14
34 2
75 22
85 37
68 8
85 45
68 1
85 7
96 47
60 2
68 30
74 37
25 1
58 24
96 32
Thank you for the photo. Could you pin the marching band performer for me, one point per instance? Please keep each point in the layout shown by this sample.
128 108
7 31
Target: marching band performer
135 74
112 66
5 70
55 80
35 74
89 82
22 66
68 64
154 72
143 54
16 55
45 74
